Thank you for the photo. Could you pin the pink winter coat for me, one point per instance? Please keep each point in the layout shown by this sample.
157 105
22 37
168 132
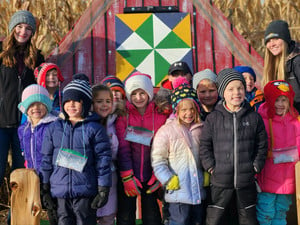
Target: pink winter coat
280 178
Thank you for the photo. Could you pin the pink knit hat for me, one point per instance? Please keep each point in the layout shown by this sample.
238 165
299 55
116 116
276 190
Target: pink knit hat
41 71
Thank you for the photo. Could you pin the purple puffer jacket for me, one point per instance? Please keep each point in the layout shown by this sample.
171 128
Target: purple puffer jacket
31 140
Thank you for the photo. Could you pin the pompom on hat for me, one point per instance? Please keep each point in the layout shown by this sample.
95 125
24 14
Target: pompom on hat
41 71
277 88
22 16
139 80
278 29
34 93
114 83
202 75
246 69
79 89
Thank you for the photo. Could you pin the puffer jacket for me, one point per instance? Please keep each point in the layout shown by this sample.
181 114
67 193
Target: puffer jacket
133 155
234 145
31 139
175 151
87 137
12 85
280 178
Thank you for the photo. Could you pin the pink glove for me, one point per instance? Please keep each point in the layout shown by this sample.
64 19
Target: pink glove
154 184
131 183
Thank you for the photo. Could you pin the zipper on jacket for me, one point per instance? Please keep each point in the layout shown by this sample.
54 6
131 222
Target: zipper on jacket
235 158
71 147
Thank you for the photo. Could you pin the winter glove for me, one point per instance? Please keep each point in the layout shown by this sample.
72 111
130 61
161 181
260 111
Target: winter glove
101 198
47 200
206 176
173 183
154 184
131 183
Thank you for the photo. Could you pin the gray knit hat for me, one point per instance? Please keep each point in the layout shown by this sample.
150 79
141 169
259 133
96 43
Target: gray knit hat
225 76
22 16
204 74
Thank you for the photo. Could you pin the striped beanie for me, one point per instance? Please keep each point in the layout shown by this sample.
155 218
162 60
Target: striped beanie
41 71
22 16
34 93
225 76
139 80
79 89
114 83
204 74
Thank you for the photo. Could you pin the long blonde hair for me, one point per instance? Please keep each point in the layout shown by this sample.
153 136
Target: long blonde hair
274 68
10 47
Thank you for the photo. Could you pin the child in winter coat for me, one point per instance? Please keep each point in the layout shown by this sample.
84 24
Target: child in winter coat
254 96
50 77
103 106
233 147
135 131
175 158
76 158
277 179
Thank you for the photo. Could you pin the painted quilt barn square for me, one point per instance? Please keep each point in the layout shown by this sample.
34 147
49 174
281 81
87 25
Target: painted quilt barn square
150 42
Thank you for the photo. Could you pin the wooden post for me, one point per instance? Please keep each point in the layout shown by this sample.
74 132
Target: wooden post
297 174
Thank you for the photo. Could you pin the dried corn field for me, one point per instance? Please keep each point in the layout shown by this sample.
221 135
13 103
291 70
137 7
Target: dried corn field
250 17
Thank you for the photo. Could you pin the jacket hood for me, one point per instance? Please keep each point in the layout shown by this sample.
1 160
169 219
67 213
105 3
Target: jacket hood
294 50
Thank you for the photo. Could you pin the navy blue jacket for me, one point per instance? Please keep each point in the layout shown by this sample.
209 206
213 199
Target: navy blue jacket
87 135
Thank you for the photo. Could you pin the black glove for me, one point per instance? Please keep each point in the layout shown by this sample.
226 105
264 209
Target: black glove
47 200
101 198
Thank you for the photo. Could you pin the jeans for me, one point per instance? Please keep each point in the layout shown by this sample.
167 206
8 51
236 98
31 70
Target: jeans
9 139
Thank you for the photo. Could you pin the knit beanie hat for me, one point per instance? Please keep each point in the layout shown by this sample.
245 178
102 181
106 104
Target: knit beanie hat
273 90
114 83
139 80
204 74
225 76
278 29
184 91
78 89
41 71
181 66
246 69
22 16
34 93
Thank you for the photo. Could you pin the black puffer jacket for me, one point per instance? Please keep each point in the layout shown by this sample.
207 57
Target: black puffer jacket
233 144
11 88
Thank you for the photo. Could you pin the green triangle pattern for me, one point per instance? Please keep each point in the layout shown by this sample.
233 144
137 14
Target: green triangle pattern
161 67
145 31
135 57
172 41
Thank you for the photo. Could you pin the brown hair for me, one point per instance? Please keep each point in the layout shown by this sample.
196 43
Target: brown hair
196 112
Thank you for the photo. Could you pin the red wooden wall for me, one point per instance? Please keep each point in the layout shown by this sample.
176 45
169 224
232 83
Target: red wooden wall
90 46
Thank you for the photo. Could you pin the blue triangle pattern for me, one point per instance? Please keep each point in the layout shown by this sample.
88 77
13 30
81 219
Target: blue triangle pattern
122 31
171 23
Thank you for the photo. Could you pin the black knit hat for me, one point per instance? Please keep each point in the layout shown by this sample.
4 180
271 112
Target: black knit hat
181 66
225 76
278 29
78 89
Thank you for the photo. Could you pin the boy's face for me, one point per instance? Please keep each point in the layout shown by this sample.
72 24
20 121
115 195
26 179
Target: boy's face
36 111
234 94
281 105
73 109
249 81
178 73
118 97
207 92
52 79
102 104
186 111
139 98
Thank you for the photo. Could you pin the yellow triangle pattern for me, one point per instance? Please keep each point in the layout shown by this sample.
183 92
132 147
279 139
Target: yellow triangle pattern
134 22
123 67
180 30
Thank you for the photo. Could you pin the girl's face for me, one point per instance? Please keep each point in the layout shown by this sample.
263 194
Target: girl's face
36 111
22 33
249 81
139 98
275 46
73 109
103 104
234 95
186 112
51 79
281 105
118 97
207 93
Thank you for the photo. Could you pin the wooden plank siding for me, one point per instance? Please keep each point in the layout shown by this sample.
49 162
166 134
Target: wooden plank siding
90 46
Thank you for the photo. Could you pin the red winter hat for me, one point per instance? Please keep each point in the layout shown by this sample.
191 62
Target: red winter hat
273 90
41 71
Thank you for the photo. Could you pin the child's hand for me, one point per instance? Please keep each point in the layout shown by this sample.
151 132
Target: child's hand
173 183
101 198
154 184
131 183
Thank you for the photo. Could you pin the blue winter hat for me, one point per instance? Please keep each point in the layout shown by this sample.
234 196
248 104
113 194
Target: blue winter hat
246 69
22 16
